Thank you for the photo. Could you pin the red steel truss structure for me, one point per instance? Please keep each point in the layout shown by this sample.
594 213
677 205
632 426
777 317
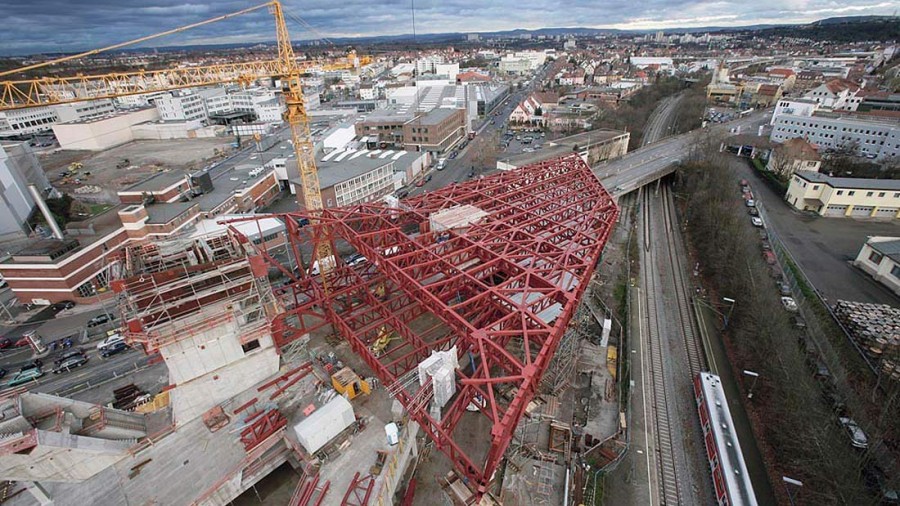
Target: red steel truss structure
501 289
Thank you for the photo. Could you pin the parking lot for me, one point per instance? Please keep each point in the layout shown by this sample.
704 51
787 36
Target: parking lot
823 247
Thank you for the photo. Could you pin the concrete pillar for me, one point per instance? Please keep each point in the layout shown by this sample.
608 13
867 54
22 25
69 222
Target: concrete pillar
874 210
849 210
38 492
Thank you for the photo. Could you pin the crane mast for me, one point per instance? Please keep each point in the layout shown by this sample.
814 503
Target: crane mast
35 92
298 120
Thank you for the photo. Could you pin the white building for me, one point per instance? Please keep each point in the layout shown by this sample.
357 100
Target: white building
843 196
230 103
26 122
427 64
794 106
880 258
450 70
102 133
269 111
81 111
522 62
18 168
187 105
367 92
874 137
836 94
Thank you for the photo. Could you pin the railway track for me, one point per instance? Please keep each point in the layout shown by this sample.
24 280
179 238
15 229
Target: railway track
671 326
682 288
666 459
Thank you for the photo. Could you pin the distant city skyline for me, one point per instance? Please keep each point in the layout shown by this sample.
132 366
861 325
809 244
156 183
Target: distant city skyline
65 26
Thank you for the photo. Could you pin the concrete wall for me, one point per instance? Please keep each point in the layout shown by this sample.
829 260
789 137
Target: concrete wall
191 399
881 271
179 130
102 134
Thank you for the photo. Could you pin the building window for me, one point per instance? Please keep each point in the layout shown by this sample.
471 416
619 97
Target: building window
86 289
875 257
869 194
851 193
881 194
895 271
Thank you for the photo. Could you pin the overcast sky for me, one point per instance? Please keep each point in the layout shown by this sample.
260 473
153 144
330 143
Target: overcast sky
30 26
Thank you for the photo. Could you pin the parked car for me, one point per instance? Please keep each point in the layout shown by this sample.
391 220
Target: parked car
26 374
420 183
753 211
114 349
798 322
744 182
784 289
70 361
5 343
100 319
789 304
765 246
60 306
750 203
109 341
756 221
2 372
22 342
428 178
745 189
858 438
402 194
769 257
763 235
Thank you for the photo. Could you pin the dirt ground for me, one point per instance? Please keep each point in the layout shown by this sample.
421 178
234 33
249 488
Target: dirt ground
144 159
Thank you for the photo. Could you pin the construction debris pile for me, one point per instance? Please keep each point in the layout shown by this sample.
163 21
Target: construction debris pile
876 329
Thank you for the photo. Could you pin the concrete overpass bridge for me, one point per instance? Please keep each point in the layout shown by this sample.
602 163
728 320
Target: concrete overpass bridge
654 161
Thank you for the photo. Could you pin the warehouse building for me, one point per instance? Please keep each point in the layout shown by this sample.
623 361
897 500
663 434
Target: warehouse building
842 196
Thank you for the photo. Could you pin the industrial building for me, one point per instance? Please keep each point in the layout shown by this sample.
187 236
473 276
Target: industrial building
102 133
350 176
844 196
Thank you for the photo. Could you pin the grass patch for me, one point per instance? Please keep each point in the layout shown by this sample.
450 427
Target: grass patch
96 209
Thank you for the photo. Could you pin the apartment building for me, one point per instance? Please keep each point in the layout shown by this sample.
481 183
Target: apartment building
836 94
840 196
871 136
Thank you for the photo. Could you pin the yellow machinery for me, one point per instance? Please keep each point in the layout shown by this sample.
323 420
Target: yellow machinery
384 338
49 90
346 382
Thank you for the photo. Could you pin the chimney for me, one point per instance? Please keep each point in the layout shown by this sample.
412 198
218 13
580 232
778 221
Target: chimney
48 216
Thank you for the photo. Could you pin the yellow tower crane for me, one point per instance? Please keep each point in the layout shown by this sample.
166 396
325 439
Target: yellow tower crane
18 93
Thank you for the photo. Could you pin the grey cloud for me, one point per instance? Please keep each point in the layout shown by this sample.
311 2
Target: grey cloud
67 25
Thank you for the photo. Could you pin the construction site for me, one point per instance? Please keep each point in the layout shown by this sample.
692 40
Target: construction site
441 339
387 352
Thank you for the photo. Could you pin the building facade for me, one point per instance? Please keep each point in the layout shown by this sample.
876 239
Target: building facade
22 123
870 136
840 196
880 258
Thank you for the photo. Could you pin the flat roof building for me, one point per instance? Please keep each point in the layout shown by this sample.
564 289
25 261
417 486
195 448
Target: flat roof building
844 196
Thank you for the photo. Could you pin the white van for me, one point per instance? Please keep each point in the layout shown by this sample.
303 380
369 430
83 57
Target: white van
109 341
441 164
329 262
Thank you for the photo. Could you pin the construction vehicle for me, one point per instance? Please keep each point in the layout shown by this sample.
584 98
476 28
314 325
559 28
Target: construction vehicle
75 167
384 338
50 90
347 383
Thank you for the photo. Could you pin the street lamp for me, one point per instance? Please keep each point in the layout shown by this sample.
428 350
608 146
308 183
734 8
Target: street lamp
790 481
730 309
755 377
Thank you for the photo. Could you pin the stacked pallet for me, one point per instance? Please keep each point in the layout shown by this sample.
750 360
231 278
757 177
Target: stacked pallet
876 329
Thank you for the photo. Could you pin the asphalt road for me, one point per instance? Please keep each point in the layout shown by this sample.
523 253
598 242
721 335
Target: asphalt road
823 247
458 169
635 169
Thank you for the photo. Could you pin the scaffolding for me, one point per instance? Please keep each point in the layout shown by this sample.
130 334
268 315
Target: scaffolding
181 289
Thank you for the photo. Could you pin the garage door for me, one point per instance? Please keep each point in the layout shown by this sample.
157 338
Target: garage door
886 212
862 210
835 210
